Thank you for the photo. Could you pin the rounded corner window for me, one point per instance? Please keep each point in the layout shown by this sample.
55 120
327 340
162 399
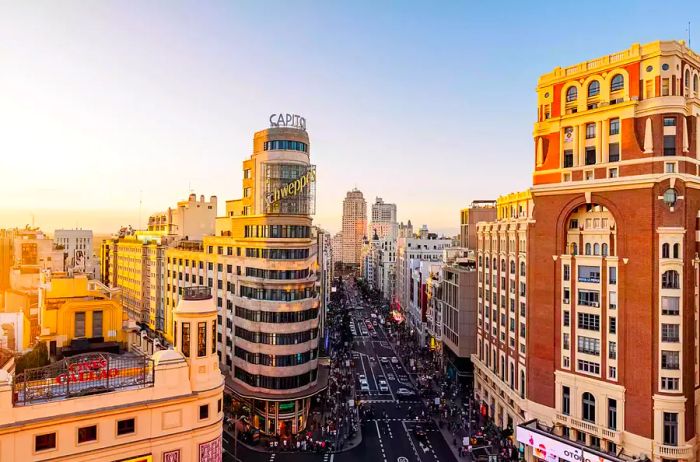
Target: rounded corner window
665 67
650 68
670 197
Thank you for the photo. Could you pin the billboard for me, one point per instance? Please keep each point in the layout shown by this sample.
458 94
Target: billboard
289 189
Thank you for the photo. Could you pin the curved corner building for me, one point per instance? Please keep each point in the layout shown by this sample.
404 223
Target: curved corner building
262 265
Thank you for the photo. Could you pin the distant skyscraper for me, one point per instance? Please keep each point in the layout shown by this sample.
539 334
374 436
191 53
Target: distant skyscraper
354 227
383 220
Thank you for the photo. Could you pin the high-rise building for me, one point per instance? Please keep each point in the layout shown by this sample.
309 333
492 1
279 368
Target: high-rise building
262 267
119 404
337 249
611 365
77 250
354 227
383 222
502 321
479 210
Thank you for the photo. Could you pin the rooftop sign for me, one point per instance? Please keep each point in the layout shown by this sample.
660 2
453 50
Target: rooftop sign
288 120
292 188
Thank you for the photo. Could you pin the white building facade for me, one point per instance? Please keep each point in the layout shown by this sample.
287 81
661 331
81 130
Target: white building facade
77 250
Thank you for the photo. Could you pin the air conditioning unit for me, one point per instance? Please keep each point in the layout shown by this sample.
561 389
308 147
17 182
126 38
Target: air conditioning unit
595 304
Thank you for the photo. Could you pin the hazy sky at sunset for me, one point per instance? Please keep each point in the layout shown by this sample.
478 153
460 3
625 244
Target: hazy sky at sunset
426 104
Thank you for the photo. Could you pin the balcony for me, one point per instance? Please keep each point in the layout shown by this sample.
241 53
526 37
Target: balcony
673 452
589 279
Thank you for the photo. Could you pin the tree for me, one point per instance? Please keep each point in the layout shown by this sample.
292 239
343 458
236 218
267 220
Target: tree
38 357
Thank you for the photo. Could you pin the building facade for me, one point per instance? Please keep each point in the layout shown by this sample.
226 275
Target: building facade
191 219
262 267
479 210
162 407
500 362
354 227
457 302
616 195
383 222
77 250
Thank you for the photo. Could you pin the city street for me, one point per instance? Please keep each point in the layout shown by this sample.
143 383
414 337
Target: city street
395 428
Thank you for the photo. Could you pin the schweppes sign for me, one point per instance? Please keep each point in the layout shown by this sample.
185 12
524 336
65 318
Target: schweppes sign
292 188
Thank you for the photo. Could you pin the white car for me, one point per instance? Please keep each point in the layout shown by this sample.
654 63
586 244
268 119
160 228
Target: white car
364 387
383 386
362 378
394 360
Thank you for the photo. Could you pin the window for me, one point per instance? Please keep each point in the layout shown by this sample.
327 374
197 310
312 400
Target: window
588 345
202 339
186 339
670 333
590 131
669 121
203 411
567 272
614 127
612 350
565 341
97 324
670 383
617 83
45 442
670 280
605 246
665 87
79 324
588 407
565 400
612 372
612 325
566 319
670 197
589 274
613 152
669 145
588 367
670 428
589 298
124 427
665 251
571 94
590 155
670 360
246 174
568 158
589 321
86 434
213 337
588 248
676 250
612 414
670 306
593 89
670 167
612 272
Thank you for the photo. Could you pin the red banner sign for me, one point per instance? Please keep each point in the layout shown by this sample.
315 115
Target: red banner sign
87 371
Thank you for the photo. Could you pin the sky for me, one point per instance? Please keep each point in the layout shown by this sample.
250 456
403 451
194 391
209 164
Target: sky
112 110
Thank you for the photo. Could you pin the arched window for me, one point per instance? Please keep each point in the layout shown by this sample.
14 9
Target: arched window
522 268
665 251
574 249
588 410
605 250
670 280
571 94
617 83
522 384
503 266
512 267
593 88
596 249
588 248
695 83
676 250
512 377
481 260
494 264
686 82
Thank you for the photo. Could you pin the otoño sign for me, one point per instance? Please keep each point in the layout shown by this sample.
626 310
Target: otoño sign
288 120
87 371
292 188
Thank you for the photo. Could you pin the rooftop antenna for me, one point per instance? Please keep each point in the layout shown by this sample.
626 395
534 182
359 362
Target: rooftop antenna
140 205
688 30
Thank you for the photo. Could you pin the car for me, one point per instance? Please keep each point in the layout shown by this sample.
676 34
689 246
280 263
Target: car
394 360
403 378
421 434
355 355
383 386
391 376
384 360
362 378
364 387
404 393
